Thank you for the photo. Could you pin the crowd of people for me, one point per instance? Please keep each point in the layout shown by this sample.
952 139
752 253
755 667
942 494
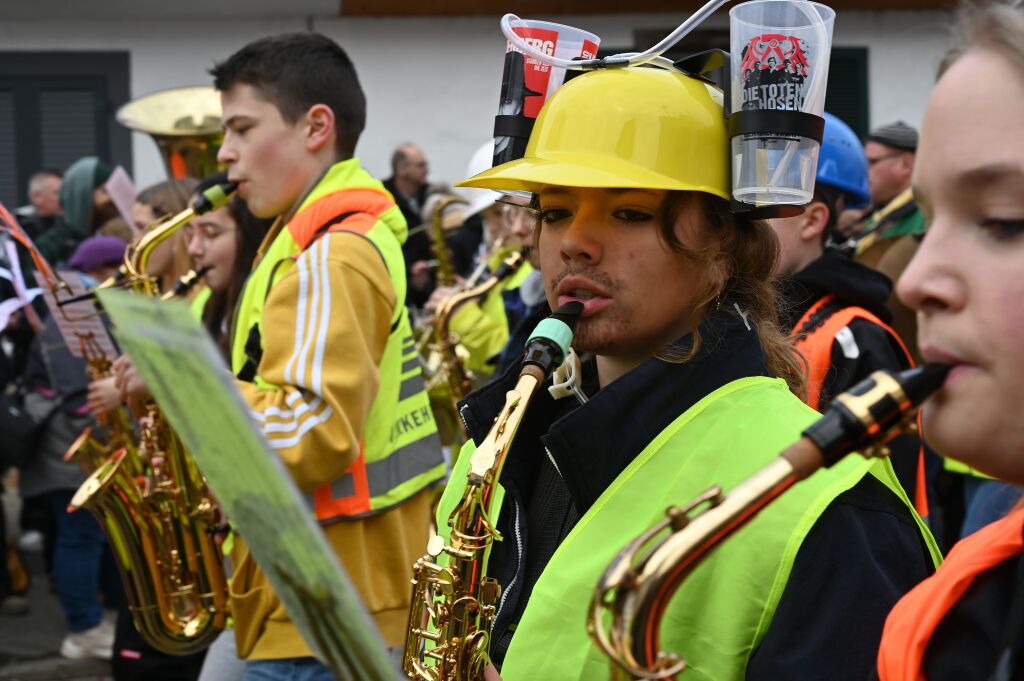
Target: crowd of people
708 341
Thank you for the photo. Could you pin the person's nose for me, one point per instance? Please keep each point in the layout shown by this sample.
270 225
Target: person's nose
932 281
196 246
581 240
227 154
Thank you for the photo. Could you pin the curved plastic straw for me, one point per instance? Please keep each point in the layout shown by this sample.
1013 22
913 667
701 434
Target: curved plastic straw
618 60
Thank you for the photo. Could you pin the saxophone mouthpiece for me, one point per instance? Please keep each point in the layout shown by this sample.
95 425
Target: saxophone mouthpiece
867 414
920 382
186 283
214 197
569 314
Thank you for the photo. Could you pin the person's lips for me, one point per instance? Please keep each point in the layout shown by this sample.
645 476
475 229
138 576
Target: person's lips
960 368
581 289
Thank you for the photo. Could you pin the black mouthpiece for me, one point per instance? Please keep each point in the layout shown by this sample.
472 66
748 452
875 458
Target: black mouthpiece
214 197
569 314
920 382
510 265
187 282
872 411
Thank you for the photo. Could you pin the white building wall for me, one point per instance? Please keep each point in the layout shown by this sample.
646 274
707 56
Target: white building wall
435 81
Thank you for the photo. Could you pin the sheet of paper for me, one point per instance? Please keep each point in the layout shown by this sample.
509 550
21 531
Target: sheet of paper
122 192
189 380
79 322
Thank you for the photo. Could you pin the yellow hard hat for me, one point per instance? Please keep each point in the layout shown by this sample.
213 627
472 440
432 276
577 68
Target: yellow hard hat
636 127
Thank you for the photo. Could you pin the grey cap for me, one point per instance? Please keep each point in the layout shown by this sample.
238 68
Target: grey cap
898 135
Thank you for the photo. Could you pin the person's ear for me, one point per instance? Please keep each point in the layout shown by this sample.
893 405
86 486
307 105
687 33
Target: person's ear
815 220
320 128
906 161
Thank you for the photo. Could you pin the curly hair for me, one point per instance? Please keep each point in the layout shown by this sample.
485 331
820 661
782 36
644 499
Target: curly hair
740 255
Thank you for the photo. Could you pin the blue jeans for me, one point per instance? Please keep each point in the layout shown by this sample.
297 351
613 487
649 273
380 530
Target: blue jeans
986 501
82 565
295 669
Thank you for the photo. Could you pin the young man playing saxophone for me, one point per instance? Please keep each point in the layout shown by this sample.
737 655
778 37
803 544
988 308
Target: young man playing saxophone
321 339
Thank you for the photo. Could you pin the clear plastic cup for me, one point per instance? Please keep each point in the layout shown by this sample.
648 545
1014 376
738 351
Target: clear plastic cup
780 55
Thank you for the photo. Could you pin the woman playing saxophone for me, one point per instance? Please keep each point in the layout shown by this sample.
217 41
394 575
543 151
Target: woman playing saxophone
965 283
686 382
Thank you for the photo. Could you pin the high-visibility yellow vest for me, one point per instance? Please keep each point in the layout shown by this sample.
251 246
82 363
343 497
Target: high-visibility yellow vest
400 452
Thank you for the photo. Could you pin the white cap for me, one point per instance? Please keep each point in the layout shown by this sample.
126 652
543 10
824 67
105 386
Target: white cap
479 199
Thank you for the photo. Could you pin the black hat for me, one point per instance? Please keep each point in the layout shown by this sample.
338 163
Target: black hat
898 135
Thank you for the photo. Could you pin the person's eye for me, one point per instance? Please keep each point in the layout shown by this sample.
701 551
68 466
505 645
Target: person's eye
550 215
1003 230
632 215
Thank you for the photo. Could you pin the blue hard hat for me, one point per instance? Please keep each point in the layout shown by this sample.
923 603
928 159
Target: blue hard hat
842 163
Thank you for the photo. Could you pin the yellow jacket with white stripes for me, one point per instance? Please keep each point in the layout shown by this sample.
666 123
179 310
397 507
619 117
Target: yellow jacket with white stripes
323 348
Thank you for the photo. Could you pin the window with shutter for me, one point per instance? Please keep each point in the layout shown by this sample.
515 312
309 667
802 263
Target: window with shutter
56 107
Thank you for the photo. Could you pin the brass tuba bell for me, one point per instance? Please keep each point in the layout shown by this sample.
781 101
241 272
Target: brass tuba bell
185 124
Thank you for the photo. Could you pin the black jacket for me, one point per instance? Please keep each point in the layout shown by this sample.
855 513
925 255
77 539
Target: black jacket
462 244
852 284
869 347
565 455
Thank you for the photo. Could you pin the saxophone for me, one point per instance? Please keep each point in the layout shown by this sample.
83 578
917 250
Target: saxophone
438 248
446 377
90 449
453 605
155 506
635 589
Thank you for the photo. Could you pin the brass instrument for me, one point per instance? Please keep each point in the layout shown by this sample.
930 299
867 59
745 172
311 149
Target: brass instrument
633 593
185 283
440 226
155 506
90 449
184 123
453 605
136 257
446 377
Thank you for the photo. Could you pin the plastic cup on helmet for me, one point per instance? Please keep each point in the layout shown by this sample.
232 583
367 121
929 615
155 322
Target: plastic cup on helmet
780 56
524 92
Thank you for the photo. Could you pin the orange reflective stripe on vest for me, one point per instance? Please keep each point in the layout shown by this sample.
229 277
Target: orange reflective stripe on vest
816 345
912 623
349 495
361 207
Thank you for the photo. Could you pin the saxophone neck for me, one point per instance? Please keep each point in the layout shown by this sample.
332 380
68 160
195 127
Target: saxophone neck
136 258
638 584
441 223
509 266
